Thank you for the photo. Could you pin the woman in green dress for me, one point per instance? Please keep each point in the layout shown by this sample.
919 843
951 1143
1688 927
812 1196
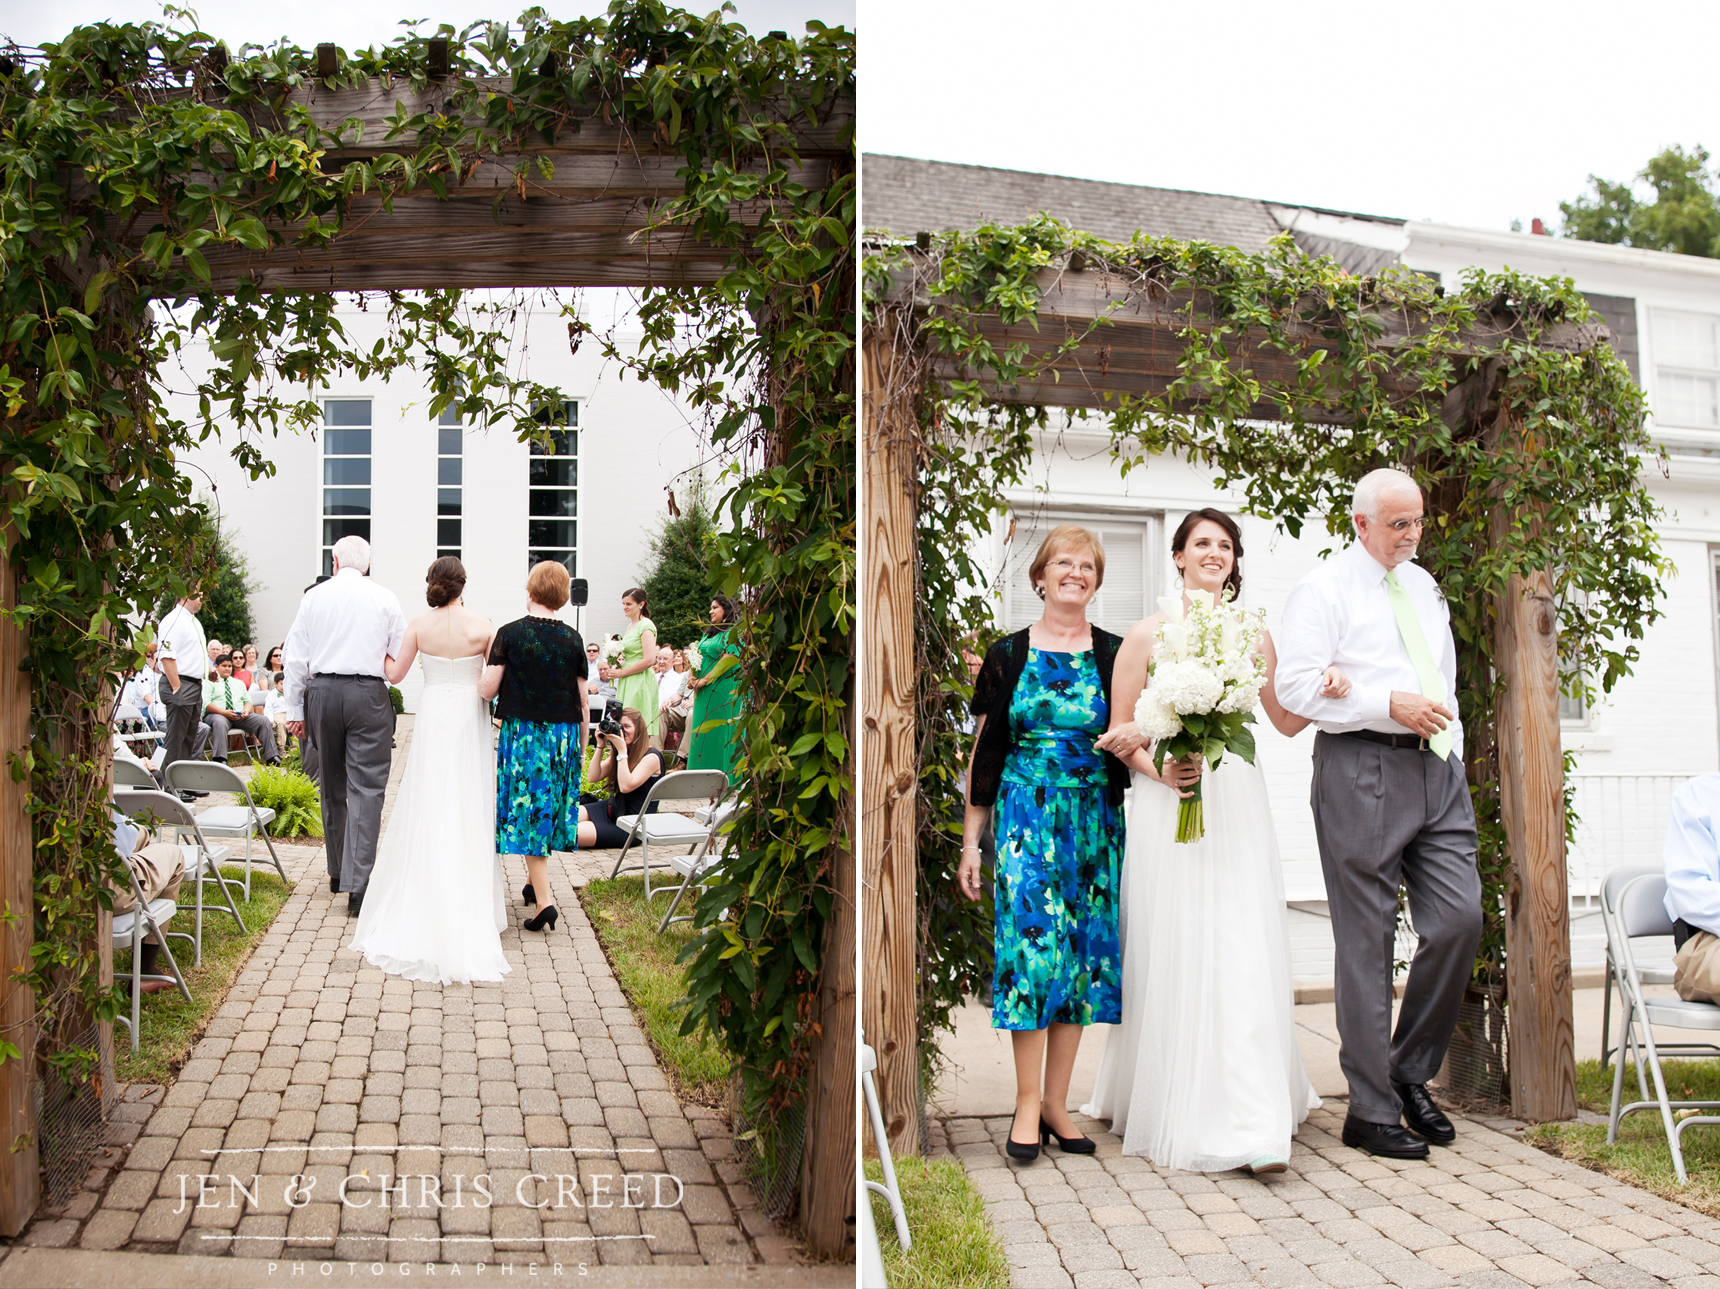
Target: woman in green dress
635 681
714 693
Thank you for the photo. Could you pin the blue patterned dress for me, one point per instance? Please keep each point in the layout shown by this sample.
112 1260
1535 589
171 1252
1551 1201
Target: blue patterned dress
1059 854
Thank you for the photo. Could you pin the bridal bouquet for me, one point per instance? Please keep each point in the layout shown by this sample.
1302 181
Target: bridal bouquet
1201 689
612 651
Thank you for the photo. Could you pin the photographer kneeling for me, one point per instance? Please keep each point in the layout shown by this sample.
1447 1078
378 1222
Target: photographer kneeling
631 765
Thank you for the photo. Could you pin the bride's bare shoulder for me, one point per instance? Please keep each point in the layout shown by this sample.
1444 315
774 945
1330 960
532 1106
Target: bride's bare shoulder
1142 632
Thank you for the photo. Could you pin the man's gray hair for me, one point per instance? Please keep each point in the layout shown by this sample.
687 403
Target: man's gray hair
1374 485
352 551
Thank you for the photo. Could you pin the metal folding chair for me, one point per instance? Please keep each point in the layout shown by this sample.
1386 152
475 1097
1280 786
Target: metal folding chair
1639 910
703 860
169 811
148 917
125 713
129 774
668 829
248 820
889 1188
1649 975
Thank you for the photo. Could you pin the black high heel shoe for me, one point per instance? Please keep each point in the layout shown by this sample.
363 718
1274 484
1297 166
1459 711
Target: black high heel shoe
546 917
1068 1145
529 895
1018 1150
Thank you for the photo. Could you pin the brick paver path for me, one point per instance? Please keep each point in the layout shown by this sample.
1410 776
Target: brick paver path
1489 1212
319 1071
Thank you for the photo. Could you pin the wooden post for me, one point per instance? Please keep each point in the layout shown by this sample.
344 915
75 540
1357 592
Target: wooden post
1542 1058
888 681
20 1175
828 1161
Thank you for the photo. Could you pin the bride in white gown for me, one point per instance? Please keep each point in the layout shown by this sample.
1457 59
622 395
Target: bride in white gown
1203 1073
434 909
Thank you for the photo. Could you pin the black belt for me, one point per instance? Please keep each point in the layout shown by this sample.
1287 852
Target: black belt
344 675
1414 742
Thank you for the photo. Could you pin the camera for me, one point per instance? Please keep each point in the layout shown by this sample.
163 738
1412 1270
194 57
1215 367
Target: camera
610 721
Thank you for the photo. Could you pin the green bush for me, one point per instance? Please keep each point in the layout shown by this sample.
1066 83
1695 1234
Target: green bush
293 798
588 786
399 701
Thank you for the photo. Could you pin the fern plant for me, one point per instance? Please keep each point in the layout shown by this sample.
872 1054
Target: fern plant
588 786
293 798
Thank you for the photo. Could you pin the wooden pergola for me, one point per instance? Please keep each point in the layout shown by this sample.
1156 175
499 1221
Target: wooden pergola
588 225
1137 352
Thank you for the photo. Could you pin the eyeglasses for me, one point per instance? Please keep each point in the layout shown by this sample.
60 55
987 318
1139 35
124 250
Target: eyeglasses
1064 565
1404 525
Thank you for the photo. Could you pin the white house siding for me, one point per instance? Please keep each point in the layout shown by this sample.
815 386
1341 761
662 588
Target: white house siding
634 440
1663 719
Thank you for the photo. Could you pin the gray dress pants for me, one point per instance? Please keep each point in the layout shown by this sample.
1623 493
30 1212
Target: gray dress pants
348 720
184 718
1386 815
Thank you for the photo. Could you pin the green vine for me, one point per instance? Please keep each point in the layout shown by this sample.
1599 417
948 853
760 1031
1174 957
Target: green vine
1560 451
129 153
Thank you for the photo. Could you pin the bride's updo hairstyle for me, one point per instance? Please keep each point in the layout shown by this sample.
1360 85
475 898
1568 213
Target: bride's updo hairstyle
1067 539
444 582
547 583
1192 520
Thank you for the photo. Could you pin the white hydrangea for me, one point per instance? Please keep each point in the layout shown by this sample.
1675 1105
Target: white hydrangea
1157 720
1241 696
1188 686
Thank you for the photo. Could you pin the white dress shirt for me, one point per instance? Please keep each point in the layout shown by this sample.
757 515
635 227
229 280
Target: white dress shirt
1341 615
180 639
344 627
669 686
1692 855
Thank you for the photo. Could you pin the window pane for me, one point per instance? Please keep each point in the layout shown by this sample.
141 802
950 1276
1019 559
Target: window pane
554 501
328 563
553 472
551 532
560 557
348 473
448 470
1570 709
440 553
347 411
566 414
449 415
1686 339
335 529
1689 400
447 501
447 532
448 442
558 443
346 443
346 501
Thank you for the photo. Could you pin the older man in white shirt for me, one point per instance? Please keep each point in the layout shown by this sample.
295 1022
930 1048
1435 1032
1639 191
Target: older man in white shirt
1692 862
337 700
1391 804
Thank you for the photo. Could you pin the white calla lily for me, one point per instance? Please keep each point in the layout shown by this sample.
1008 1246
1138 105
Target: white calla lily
1200 599
1172 607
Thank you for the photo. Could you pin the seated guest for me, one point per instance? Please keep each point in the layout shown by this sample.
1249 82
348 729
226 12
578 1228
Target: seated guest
227 707
217 651
631 765
250 664
597 688
275 709
159 867
142 691
674 698
241 672
1692 860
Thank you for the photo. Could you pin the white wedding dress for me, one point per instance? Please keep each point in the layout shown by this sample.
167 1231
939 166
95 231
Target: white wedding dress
1204 1072
434 909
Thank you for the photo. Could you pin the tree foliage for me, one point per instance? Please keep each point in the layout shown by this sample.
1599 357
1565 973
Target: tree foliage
1683 216
1558 451
224 577
680 584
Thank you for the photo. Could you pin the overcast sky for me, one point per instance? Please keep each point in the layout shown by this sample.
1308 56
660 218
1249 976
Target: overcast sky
354 24
1470 112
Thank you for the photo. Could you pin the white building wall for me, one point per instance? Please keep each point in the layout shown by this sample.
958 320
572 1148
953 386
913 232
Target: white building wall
634 441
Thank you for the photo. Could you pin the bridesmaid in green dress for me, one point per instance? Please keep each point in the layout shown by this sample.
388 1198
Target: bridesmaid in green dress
714 695
635 682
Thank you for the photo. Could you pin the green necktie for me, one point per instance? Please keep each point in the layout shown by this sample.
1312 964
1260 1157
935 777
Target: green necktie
1420 657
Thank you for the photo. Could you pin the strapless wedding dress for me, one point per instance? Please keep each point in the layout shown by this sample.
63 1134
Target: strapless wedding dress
1204 1072
434 909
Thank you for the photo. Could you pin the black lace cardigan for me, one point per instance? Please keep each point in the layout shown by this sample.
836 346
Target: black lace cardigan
992 691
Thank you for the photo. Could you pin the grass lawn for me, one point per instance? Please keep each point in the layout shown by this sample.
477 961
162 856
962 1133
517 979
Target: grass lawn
954 1246
170 1025
1640 1156
645 966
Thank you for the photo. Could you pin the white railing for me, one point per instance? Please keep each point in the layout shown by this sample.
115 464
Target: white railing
1621 820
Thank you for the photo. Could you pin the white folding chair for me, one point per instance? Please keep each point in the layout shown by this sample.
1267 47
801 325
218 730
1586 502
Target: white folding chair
888 1188
1648 974
701 861
124 713
248 820
129 774
202 864
1639 911
148 917
667 828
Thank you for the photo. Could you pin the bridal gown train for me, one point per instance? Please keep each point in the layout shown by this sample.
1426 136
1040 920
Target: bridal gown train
1204 1072
434 909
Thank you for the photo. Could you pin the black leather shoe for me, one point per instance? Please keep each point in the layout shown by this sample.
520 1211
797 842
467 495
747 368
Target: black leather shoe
1389 1139
1422 1115
529 895
1023 1151
354 903
334 885
546 918
1068 1145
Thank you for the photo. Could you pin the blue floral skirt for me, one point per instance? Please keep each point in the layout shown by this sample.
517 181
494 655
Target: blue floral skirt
537 788
1059 866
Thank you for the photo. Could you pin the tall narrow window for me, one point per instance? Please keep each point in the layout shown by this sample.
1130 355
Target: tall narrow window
553 505
449 482
1687 359
346 473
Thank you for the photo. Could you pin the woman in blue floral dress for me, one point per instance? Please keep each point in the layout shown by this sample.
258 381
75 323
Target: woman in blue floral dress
1041 759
